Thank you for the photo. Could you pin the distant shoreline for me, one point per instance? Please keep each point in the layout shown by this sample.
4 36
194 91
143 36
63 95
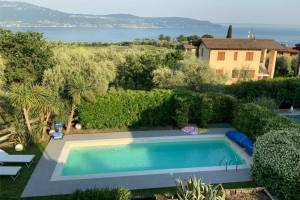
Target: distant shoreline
289 36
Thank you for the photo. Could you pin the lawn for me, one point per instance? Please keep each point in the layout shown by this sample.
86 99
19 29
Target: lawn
13 190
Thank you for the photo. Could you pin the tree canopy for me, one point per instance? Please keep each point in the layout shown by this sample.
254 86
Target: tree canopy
27 55
229 32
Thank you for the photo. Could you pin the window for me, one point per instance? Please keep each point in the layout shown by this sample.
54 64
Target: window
249 56
235 73
243 74
262 56
251 73
221 55
219 72
202 52
235 56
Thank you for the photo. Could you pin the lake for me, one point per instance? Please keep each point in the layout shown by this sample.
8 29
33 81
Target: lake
289 35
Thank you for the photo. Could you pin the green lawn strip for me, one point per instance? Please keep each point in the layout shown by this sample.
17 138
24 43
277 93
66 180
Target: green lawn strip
13 190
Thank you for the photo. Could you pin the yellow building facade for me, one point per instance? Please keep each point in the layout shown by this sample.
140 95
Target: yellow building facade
238 59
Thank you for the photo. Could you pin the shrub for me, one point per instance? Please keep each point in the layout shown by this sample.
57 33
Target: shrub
276 162
266 103
280 89
222 107
255 120
192 102
194 189
181 112
203 108
101 194
118 109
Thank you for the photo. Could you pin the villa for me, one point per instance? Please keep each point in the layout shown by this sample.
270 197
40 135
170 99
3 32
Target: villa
189 48
288 52
241 58
297 47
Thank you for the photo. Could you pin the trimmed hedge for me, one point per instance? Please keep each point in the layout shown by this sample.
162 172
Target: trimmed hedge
223 108
199 108
276 162
118 109
283 90
255 120
101 194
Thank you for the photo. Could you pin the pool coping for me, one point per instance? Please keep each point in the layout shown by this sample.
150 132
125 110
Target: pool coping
40 183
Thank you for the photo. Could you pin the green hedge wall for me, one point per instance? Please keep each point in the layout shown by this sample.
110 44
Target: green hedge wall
201 109
255 120
276 162
118 109
283 90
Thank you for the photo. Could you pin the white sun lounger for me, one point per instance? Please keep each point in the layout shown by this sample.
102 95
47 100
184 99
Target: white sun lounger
7 158
13 172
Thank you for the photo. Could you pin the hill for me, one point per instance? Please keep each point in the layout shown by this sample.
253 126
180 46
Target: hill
20 14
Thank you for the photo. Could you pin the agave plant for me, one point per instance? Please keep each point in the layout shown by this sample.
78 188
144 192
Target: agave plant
195 189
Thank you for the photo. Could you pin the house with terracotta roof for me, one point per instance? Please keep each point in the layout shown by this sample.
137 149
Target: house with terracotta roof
240 58
297 47
189 47
288 52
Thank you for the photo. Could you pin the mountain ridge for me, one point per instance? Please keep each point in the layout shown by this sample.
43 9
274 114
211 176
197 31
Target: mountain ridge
21 14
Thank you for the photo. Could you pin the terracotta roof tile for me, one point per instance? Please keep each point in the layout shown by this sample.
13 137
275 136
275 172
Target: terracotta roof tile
241 44
189 46
289 50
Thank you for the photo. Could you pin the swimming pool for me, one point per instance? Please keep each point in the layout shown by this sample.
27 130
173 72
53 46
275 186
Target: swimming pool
113 158
295 118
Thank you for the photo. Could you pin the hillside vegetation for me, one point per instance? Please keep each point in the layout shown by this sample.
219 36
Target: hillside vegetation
20 14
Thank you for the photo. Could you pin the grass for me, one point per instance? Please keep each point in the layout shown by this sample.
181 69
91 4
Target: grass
10 190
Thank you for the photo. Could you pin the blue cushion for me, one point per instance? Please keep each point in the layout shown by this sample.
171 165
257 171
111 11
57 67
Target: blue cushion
241 139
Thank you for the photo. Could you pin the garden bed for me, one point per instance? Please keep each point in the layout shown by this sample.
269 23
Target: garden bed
231 194
247 194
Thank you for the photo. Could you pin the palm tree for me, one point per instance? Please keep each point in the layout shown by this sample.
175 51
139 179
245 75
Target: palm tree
27 97
79 88
53 105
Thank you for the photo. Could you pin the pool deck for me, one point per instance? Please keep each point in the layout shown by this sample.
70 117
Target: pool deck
41 185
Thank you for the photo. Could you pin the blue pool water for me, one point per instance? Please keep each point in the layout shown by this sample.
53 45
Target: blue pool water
148 156
295 118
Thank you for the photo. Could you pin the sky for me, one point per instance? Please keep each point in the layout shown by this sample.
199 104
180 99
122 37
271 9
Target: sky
284 12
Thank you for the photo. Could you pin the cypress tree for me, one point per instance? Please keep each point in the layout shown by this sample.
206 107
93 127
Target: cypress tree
229 32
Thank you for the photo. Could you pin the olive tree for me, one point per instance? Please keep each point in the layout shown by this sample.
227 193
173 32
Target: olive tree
79 75
165 77
27 55
2 76
190 72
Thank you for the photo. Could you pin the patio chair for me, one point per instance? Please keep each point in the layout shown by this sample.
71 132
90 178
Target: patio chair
7 158
13 172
